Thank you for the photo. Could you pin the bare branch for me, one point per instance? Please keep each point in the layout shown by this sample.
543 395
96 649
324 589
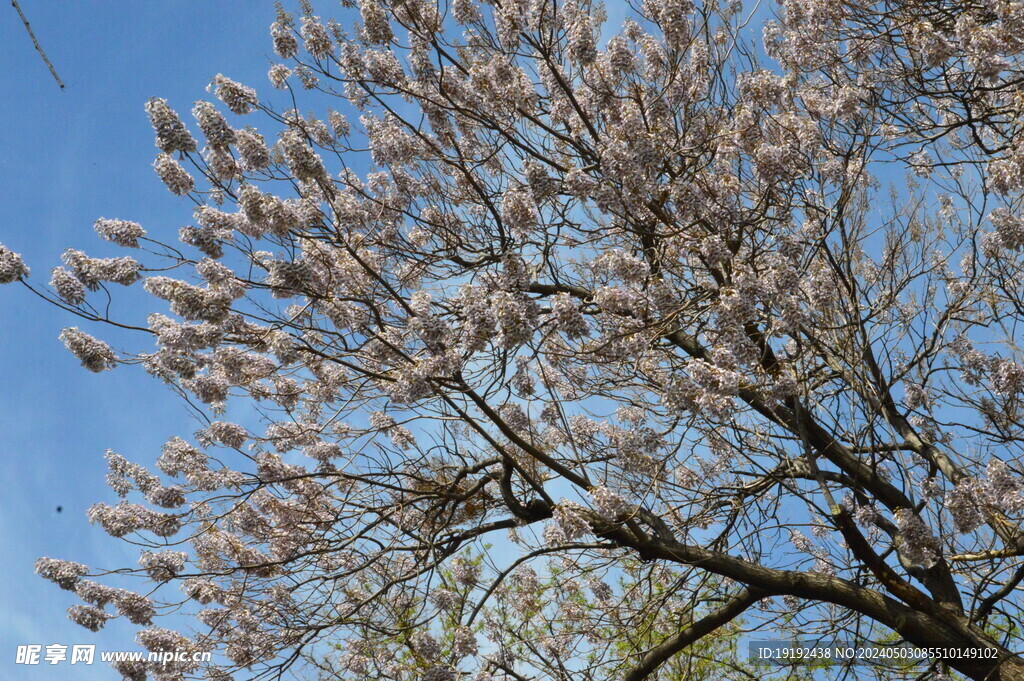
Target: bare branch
35 43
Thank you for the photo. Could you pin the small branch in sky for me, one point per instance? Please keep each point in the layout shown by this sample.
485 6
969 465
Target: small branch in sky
35 42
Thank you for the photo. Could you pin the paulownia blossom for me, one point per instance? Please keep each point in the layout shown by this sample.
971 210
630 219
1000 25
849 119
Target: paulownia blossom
579 346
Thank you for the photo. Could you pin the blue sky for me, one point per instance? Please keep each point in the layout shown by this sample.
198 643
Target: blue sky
66 158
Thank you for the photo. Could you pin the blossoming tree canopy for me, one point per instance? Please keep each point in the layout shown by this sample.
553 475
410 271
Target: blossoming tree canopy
579 346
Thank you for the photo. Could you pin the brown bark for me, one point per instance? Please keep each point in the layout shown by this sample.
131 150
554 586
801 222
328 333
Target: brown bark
674 644
936 627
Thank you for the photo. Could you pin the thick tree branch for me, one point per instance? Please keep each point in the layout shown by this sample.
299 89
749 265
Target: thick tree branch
675 643
924 629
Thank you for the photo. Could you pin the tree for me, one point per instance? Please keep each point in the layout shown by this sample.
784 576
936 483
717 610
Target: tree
696 329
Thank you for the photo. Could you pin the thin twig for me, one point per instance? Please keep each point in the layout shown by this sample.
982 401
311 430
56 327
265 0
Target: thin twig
35 42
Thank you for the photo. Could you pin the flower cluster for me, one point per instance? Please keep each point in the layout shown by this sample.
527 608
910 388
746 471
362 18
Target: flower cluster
67 286
12 267
237 97
569 524
176 178
607 503
121 232
972 501
218 133
305 164
125 518
285 43
915 540
88 616
315 38
519 212
399 435
92 271
252 150
171 134
164 565
94 354
424 643
64 573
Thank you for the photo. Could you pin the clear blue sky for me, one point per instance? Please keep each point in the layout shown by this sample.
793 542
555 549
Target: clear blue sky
66 158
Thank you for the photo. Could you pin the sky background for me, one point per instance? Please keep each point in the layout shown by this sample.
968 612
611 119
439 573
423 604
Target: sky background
68 157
